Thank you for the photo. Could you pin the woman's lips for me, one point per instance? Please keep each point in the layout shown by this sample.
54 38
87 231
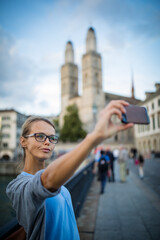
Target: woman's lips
46 150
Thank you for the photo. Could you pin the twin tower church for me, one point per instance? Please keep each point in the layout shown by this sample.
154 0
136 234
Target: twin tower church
93 99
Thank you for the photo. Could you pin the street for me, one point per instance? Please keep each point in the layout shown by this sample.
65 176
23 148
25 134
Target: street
151 173
126 211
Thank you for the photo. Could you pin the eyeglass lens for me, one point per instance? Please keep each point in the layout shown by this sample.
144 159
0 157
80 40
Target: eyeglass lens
42 137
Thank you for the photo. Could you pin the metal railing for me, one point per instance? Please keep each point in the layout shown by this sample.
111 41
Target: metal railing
78 186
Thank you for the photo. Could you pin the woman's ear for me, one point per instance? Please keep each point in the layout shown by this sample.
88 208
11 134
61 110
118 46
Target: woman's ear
23 142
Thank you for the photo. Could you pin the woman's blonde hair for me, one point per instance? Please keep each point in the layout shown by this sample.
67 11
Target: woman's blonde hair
26 127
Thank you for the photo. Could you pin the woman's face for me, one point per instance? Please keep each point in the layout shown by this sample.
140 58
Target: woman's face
39 150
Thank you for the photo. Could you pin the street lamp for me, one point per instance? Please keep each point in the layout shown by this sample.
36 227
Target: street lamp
0 135
94 110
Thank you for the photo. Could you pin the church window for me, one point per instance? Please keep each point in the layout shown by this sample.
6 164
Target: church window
73 87
95 63
86 79
64 88
116 138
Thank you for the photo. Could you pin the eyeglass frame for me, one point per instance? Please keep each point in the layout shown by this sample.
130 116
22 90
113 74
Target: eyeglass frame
46 136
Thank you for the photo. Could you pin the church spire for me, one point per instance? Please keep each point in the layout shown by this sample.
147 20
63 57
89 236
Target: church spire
132 90
69 53
91 41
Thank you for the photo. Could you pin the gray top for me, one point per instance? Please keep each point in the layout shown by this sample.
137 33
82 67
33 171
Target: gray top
28 199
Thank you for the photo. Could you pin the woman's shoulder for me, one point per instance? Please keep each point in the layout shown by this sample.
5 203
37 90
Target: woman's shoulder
18 181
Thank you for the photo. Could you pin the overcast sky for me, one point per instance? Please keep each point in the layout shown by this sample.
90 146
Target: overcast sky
33 35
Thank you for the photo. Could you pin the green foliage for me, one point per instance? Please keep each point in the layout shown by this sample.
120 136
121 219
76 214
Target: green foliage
56 124
72 129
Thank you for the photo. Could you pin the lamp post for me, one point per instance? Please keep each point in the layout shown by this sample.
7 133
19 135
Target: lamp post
94 110
0 135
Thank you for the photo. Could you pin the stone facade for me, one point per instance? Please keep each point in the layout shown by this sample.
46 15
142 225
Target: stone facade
10 130
148 136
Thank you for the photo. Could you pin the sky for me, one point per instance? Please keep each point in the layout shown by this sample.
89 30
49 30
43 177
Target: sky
33 36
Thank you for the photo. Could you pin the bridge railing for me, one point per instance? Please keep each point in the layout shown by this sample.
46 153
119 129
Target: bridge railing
78 185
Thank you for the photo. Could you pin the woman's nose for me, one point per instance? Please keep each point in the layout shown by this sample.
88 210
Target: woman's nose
47 141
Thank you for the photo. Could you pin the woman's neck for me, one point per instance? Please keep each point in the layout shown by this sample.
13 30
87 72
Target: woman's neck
33 166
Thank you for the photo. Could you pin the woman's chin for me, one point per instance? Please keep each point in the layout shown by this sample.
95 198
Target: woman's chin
44 157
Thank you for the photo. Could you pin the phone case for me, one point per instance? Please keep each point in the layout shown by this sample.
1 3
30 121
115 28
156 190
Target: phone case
135 114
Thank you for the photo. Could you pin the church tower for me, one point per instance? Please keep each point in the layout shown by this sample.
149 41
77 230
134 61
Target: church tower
93 97
69 77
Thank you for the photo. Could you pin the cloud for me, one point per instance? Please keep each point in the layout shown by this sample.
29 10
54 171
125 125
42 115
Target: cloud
24 83
123 21
16 72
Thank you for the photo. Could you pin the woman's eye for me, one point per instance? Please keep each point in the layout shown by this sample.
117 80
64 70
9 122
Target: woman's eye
52 138
40 136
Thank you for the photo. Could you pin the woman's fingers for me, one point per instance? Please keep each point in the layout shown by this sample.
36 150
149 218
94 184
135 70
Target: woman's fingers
105 126
120 104
125 126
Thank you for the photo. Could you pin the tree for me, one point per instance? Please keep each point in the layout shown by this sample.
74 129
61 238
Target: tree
56 124
72 129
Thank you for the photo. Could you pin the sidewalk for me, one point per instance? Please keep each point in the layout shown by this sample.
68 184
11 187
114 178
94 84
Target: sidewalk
126 211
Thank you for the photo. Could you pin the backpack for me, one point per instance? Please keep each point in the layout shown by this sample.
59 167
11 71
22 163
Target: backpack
103 165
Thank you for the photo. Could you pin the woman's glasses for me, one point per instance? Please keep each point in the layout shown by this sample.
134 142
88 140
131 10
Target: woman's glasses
41 137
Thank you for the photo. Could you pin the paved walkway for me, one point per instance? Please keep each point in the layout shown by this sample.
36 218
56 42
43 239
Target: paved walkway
126 211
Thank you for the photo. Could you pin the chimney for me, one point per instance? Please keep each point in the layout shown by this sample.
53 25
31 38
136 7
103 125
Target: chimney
157 86
148 94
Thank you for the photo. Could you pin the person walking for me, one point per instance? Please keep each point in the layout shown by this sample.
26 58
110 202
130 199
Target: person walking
140 166
123 156
43 205
103 166
112 159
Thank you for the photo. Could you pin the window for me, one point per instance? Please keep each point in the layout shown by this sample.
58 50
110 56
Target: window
158 116
5 145
6 118
152 105
116 137
153 122
159 102
5 135
6 126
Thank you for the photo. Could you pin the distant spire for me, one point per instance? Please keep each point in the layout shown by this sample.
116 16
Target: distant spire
69 53
132 91
91 40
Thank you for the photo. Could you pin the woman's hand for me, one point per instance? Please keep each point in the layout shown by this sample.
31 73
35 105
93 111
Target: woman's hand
105 128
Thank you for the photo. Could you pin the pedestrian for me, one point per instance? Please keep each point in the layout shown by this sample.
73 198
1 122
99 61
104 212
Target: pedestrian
43 205
123 156
103 166
97 153
116 153
109 153
140 166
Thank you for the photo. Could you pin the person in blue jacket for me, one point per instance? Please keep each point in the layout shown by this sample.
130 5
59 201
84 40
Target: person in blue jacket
43 205
103 165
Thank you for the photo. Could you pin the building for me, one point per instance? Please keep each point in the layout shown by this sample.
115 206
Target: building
10 129
93 98
148 136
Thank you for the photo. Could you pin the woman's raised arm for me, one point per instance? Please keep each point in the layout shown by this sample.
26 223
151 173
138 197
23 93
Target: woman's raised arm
60 170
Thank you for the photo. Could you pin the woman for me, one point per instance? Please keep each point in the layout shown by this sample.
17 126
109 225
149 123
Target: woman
43 205
122 159
141 165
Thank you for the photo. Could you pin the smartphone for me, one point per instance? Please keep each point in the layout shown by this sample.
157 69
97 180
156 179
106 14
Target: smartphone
135 114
